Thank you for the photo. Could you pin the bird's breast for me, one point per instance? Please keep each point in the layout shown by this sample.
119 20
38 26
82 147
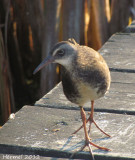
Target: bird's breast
78 91
87 92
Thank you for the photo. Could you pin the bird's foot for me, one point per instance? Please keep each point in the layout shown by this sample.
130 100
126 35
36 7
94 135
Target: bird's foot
88 144
91 120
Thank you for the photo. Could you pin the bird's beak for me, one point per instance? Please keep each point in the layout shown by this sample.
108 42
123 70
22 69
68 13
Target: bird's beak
45 62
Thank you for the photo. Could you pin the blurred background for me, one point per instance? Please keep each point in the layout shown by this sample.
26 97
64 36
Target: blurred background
30 28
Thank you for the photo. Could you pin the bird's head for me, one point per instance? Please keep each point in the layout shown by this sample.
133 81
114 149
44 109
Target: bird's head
62 53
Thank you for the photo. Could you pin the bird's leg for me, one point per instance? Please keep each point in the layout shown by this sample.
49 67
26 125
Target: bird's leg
88 142
81 127
91 120
87 139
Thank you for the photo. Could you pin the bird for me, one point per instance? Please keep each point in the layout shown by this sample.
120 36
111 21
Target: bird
85 77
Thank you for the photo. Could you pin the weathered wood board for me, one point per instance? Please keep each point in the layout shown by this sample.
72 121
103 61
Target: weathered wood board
47 132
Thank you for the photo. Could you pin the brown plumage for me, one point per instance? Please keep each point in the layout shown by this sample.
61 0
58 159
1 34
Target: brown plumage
85 77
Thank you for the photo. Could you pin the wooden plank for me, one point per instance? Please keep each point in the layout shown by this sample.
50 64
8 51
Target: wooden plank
47 132
119 51
119 99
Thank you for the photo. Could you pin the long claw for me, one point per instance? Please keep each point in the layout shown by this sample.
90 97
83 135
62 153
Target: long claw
99 147
90 150
101 129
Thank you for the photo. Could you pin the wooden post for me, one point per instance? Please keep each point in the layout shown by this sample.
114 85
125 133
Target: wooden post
98 26
51 35
5 85
120 11
73 20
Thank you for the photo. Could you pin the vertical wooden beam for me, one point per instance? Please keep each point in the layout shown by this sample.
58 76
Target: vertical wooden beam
5 88
98 26
26 38
107 10
120 11
36 22
73 20
6 91
51 35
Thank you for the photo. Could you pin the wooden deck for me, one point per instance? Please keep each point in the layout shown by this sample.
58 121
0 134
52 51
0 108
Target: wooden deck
44 130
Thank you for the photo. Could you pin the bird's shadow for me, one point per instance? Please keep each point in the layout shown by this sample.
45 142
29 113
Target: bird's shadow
73 147
79 145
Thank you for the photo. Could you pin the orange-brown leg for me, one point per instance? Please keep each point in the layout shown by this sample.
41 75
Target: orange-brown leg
88 142
87 139
91 120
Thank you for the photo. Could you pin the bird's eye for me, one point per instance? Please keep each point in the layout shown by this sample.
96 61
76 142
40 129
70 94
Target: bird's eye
60 52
